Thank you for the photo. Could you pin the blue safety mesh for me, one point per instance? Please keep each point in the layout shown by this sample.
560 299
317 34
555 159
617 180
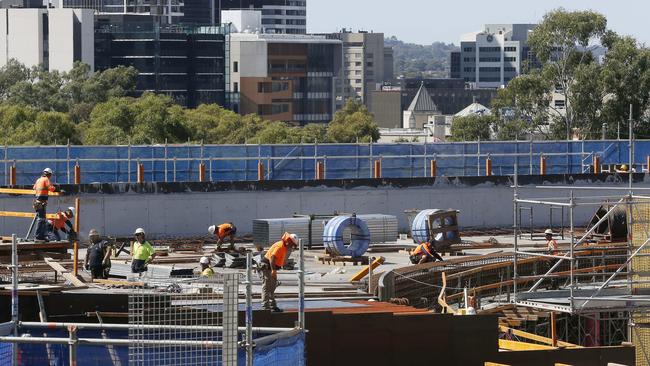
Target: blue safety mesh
169 163
285 351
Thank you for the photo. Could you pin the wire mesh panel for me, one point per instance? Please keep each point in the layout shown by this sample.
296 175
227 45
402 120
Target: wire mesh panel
640 268
179 322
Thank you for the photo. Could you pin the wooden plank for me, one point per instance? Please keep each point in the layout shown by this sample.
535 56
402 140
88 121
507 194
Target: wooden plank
65 273
24 214
535 337
25 191
521 346
119 283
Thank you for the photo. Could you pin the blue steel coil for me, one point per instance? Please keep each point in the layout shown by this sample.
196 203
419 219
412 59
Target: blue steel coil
359 238
420 228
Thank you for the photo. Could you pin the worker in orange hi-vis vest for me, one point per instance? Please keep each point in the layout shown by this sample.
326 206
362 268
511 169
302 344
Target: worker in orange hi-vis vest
424 253
223 231
551 244
42 189
274 259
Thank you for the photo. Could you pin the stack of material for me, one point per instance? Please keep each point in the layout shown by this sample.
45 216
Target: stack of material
234 261
383 228
219 259
123 269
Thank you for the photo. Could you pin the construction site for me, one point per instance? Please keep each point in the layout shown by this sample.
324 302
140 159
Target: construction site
538 254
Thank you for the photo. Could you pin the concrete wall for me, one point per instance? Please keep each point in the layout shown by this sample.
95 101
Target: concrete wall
483 205
21 36
61 38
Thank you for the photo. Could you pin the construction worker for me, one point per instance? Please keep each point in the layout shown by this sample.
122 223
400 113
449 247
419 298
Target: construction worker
222 231
42 189
206 270
551 244
424 253
143 252
62 223
273 260
98 256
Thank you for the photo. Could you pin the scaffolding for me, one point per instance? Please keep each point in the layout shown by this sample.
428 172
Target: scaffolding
189 321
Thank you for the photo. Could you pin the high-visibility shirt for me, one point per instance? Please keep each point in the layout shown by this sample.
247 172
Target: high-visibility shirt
208 272
422 249
60 222
279 250
142 251
224 230
551 245
43 187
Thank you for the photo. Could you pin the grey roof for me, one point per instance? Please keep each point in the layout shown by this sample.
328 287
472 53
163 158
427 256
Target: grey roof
474 109
422 101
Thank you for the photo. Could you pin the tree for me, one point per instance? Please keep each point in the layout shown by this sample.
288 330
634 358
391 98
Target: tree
157 119
353 122
560 42
471 128
10 74
48 128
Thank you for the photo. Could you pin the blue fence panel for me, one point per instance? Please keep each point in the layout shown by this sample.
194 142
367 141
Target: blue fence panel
297 162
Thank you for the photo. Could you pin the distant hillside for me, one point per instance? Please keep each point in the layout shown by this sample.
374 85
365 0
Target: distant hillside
426 61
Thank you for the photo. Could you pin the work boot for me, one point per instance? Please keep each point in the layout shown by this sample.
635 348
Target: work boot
276 309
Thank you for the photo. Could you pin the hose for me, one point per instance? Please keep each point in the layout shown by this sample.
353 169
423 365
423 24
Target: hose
333 236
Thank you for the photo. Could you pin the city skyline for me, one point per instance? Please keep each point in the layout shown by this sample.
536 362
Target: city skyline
446 22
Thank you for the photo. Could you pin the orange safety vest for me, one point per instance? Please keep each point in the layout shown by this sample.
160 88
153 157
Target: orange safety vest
224 230
60 221
422 249
551 245
279 250
43 187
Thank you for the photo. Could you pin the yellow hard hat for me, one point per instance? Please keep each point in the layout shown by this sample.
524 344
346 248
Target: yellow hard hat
624 167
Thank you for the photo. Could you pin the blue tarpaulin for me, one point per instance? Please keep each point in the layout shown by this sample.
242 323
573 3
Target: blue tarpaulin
169 163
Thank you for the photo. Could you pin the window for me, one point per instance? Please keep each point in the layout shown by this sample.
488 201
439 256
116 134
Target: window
235 87
469 69
358 81
510 59
370 55
357 64
469 59
358 90
235 66
272 87
357 72
489 69
559 104
468 49
489 79
510 49
370 64
357 55
510 68
489 59
489 49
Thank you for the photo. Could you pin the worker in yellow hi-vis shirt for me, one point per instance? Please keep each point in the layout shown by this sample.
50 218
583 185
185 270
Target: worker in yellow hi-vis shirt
143 252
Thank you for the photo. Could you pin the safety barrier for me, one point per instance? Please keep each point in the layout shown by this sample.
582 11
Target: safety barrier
183 163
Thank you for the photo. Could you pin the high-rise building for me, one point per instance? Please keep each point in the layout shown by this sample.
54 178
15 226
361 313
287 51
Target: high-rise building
186 62
492 57
364 64
285 77
278 16
163 11
52 38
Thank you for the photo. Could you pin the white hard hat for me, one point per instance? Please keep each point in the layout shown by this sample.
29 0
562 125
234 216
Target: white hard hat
71 209
548 232
93 232
139 231
204 260
294 238
212 229
47 170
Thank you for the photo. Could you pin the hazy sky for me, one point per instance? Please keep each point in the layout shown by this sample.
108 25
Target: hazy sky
426 21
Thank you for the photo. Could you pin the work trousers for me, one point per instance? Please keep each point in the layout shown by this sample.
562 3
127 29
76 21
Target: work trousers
97 272
269 284
41 221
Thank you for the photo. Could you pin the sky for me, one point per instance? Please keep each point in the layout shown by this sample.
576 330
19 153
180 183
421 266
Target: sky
426 21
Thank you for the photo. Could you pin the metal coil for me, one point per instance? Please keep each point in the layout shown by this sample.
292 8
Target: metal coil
420 227
359 237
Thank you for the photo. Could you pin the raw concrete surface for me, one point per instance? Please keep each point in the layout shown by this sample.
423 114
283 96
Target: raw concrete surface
189 214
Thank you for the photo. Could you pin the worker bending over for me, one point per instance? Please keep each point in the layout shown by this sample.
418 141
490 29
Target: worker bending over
551 244
206 270
143 252
424 253
223 231
62 223
274 259
42 189
98 256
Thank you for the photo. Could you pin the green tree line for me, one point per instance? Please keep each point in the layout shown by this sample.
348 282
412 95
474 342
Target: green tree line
597 90
38 107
